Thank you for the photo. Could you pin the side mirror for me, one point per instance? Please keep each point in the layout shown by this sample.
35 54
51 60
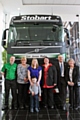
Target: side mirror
67 35
68 42
4 37
3 43
53 29
67 32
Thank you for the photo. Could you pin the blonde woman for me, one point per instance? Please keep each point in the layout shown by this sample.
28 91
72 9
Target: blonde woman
34 71
23 83
72 75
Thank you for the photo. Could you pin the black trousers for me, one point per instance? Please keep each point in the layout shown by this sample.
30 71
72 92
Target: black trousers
10 84
48 96
73 96
23 97
62 91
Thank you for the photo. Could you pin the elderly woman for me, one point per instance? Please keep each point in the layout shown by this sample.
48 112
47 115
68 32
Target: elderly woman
34 71
71 75
23 83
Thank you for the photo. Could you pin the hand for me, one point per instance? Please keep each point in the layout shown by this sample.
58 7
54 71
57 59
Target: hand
70 83
37 83
25 79
54 84
33 93
39 97
31 83
2 73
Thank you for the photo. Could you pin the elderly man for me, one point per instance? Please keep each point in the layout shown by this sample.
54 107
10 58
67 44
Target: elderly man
61 82
9 71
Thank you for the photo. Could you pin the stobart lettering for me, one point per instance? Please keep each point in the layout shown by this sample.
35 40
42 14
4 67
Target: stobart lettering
36 17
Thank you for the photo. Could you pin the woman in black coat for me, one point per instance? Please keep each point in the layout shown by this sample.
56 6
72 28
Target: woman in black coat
49 80
71 75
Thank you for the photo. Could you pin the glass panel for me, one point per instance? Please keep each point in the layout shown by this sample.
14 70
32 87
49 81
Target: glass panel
36 32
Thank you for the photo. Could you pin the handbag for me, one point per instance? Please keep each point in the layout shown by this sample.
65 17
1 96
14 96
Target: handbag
56 90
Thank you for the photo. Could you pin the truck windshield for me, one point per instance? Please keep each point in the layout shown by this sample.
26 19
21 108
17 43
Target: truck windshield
35 32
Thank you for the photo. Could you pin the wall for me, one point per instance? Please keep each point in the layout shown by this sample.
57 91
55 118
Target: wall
1 29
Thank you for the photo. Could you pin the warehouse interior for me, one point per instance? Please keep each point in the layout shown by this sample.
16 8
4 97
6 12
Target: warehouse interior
69 12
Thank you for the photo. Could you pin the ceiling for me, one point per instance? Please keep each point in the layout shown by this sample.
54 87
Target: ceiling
66 8
51 2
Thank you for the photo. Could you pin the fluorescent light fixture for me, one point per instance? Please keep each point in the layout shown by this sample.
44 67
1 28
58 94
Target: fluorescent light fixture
18 8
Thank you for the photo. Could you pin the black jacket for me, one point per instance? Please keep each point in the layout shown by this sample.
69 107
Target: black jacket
75 74
51 75
59 73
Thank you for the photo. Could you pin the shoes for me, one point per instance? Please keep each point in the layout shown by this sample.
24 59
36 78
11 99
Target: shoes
15 108
76 108
64 108
10 108
45 106
51 107
31 110
21 107
71 107
26 106
5 107
36 109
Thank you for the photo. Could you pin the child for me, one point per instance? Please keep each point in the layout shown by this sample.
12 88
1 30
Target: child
34 98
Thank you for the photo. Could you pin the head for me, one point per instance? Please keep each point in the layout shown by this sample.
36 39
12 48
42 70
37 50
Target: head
60 58
46 60
23 60
34 79
12 59
71 62
34 63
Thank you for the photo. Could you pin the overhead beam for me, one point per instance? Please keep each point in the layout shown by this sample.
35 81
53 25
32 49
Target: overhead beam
50 4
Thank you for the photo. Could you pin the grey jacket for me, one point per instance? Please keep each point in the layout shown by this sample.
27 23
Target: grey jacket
36 89
22 73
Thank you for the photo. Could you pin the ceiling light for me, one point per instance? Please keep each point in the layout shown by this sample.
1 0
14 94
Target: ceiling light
18 8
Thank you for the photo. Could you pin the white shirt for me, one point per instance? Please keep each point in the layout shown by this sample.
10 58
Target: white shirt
70 74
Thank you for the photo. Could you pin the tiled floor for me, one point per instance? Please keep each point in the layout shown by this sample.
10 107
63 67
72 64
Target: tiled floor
44 114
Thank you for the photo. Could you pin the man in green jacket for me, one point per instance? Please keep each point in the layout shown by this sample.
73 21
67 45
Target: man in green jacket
9 71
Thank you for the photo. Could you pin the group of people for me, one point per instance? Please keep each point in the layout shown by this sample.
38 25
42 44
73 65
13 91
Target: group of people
34 82
68 75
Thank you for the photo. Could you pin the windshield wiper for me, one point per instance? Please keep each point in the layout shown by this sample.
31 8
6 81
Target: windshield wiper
22 43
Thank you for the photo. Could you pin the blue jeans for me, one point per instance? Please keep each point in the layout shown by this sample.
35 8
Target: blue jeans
34 101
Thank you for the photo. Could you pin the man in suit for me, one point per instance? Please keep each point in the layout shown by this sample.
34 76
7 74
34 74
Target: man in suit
61 82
